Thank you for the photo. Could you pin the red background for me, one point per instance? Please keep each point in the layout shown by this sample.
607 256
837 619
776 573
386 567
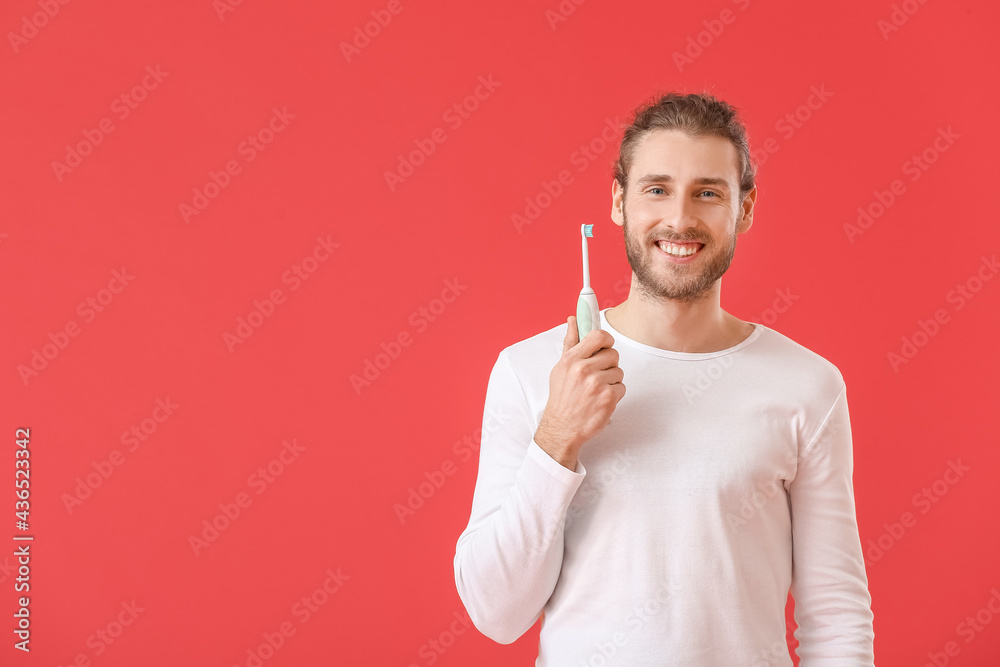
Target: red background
324 175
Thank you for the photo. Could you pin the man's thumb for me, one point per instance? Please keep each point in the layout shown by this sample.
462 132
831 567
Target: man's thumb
572 335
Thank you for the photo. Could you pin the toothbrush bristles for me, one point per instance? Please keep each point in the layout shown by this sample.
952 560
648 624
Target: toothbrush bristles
588 230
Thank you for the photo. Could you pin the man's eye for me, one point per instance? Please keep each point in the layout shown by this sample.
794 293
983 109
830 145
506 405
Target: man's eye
709 192
653 190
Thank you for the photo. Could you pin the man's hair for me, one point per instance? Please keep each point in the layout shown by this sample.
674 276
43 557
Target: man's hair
697 115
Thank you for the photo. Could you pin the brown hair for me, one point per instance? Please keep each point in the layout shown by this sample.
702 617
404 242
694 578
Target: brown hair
696 114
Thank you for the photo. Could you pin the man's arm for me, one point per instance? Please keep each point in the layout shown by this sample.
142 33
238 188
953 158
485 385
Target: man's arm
829 583
508 559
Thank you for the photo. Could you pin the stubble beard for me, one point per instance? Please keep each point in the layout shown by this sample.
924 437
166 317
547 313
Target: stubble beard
686 283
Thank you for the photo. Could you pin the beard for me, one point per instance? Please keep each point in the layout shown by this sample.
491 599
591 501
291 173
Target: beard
681 282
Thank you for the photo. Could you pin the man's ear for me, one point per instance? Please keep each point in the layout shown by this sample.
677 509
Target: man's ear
617 201
746 212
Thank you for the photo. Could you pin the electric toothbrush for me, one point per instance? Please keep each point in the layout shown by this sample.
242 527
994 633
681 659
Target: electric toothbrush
588 316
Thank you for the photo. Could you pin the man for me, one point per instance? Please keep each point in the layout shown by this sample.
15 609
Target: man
672 533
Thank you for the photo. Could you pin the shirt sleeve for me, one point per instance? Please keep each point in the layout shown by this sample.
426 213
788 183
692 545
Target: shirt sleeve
829 583
508 558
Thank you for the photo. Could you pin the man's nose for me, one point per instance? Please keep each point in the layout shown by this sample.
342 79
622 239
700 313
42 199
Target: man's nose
682 215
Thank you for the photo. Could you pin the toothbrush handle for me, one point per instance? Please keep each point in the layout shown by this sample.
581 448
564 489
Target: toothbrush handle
588 317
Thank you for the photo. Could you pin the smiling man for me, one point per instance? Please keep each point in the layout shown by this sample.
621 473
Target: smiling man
674 533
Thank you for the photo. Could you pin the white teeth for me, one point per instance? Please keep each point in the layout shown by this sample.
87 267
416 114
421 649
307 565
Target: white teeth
677 250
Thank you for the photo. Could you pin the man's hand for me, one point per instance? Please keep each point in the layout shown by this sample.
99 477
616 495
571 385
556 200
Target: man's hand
584 389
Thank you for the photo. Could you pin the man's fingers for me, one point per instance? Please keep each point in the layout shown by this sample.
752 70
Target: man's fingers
595 341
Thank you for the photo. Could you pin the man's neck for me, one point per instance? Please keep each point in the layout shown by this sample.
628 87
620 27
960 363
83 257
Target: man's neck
680 326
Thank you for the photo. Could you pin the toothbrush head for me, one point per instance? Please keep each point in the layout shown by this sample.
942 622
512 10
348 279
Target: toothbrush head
587 230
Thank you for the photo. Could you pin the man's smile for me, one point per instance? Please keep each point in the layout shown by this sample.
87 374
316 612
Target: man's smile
680 251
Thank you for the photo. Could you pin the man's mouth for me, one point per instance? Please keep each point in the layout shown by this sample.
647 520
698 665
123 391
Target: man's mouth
680 248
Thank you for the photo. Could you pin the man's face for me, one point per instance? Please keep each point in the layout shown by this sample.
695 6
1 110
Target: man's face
683 189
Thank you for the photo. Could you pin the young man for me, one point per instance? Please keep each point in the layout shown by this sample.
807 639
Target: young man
673 533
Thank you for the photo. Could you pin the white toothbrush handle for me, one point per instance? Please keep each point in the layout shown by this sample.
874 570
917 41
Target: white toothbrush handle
588 317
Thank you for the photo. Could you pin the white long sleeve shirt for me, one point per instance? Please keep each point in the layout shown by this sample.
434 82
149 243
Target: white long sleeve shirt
723 482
